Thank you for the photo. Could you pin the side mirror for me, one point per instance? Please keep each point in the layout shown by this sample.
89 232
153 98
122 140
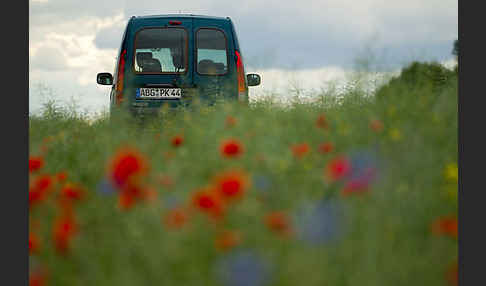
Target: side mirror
253 79
104 78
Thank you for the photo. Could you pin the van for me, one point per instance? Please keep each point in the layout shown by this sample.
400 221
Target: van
176 60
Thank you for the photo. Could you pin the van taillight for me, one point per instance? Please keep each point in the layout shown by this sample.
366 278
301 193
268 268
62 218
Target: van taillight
240 73
119 78
175 22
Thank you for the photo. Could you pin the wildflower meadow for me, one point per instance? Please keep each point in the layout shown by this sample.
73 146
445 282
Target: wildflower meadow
360 191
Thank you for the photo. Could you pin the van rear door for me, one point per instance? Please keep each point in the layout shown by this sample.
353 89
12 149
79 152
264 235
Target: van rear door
159 68
214 71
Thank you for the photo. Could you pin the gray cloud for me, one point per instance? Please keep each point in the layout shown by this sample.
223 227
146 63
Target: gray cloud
110 37
48 59
303 34
54 12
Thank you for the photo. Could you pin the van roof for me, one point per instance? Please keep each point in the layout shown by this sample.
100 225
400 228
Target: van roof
180 16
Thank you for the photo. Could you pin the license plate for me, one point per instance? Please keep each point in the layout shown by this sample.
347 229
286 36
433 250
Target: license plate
158 93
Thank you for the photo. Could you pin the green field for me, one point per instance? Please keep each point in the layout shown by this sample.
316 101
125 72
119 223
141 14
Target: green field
357 192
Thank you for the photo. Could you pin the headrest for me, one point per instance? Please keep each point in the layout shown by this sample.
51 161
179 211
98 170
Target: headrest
152 65
143 57
207 66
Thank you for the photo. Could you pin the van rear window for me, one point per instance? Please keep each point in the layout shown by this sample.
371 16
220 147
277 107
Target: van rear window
161 50
212 57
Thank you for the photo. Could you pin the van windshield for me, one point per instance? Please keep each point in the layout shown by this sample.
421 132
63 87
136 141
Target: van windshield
161 50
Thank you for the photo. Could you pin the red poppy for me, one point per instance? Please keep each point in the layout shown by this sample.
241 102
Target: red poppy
132 193
227 240
230 121
127 164
34 243
231 148
72 192
37 279
61 176
445 226
338 168
300 150
321 122
207 201
176 218
452 274
125 200
278 222
376 125
39 190
35 196
64 229
354 186
43 183
35 164
232 184
326 147
177 140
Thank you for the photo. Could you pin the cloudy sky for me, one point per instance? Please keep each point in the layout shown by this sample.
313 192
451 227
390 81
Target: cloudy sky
307 42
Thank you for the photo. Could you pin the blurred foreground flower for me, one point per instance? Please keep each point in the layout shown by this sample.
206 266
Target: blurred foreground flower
279 222
300 150
231 148
452 274
207 201
127 164
176 218
39 190
338 168
177 140
227 240
72 192
43 183
231 185
34 243
105 187
451 173
395 134
364 170
445 226
326 147
262 182
243 268
38 278
320 222
61 176
321 122
230 121
376 125
133 193
35 163
64 229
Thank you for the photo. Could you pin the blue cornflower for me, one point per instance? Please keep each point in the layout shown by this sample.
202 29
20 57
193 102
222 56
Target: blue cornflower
243 268
320 222
105 187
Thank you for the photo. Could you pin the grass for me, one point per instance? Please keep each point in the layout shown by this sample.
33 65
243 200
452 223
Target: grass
385 232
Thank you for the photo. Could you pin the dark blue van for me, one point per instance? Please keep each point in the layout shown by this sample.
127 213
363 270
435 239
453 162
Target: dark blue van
176 60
